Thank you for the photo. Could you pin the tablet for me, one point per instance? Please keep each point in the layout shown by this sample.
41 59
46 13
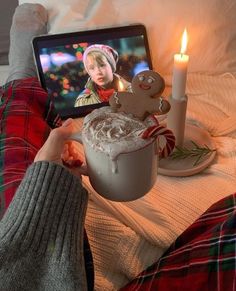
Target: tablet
69 79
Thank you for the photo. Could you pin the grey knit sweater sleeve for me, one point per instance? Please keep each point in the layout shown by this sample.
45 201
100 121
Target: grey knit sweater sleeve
41 234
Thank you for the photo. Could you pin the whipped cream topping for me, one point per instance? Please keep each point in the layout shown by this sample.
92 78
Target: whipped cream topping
113 133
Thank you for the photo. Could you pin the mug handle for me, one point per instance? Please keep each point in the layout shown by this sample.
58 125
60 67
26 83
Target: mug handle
159 130
77 137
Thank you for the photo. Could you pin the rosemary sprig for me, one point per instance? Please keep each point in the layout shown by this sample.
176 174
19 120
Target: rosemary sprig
197 151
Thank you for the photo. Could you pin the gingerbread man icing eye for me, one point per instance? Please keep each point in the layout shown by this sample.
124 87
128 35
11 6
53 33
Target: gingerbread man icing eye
141 78
150 80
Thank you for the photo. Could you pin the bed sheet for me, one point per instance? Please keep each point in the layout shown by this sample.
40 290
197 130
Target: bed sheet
7 8
127 237
3 74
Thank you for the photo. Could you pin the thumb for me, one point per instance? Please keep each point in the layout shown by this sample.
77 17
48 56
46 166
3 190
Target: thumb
68 122
54 145
59 135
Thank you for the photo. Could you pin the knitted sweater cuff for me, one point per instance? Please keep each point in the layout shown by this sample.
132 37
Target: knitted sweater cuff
47 212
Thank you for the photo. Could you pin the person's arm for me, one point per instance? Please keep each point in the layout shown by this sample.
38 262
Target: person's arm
41 234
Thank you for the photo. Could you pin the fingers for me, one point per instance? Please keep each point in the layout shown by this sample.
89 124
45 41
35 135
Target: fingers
60 135
70 155
59 149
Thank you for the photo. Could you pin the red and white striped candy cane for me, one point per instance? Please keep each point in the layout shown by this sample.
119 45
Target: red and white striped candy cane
159 130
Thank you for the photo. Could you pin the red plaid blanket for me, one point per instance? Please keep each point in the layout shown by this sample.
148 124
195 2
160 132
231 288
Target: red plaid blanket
26 113
27 116
202 258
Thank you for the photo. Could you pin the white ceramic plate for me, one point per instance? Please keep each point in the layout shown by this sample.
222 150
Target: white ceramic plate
185 167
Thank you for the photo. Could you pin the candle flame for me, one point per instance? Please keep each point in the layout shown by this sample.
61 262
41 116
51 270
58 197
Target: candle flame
184 42
120 86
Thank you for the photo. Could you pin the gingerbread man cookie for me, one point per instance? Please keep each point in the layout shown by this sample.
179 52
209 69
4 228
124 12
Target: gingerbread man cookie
147 87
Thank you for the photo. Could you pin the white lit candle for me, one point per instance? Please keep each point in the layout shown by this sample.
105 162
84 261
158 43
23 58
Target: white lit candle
180 70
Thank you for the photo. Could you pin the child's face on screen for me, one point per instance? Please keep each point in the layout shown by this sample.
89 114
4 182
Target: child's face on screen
99 70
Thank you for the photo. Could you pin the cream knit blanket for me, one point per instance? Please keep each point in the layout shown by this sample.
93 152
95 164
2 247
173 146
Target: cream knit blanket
127 237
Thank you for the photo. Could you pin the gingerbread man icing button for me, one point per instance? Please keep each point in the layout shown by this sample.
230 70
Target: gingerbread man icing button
145 99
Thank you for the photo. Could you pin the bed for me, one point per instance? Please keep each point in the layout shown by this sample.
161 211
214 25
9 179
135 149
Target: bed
128 237
5 23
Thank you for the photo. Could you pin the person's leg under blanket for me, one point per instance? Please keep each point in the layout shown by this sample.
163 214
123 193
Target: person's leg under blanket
28 21
202 258
26 112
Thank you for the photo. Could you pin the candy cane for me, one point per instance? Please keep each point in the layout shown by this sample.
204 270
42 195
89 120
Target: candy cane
158 130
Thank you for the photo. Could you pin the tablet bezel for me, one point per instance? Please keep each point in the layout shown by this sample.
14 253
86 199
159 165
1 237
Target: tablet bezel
52 40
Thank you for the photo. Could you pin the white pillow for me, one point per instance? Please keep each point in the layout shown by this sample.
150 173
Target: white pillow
211 26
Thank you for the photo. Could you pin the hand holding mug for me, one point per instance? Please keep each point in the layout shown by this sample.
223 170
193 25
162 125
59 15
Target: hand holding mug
59 149
122 153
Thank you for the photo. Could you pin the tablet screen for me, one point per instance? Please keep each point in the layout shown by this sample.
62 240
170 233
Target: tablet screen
80 70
